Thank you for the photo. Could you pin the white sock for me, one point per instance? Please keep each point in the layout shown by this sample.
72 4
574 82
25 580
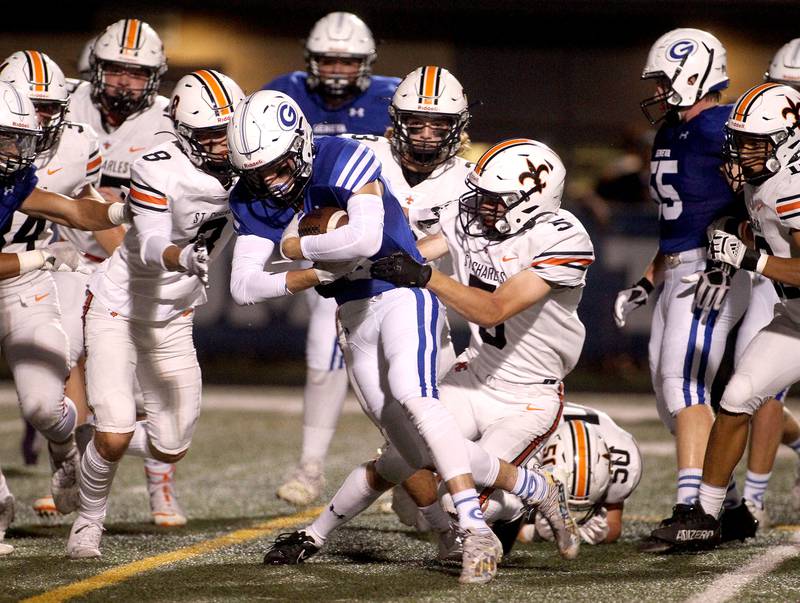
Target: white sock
795 446
755 486
441 435
469 511
138 445
531 486
323 398
711 498
353 497
732 498
689 485
436 517
95 483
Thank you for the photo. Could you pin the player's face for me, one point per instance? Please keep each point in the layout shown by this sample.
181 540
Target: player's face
338 67
424 130
46 111
125 80
213 141
15 148
753 154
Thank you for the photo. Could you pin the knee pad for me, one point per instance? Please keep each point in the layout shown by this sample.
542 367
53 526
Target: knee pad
56 422
739 396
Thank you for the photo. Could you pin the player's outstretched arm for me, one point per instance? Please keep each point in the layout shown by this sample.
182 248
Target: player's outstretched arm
433 247
88 212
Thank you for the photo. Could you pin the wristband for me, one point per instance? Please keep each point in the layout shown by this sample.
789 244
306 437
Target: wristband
30 261
116 213
754 261
645 284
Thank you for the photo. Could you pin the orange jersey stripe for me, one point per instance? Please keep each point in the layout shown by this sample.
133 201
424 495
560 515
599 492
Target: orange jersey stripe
216 90
784 208
133 30
494 150
741 109
145 198
38 70
560 261
94 163
582 478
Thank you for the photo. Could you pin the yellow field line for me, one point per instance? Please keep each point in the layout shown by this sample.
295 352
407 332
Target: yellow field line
123 572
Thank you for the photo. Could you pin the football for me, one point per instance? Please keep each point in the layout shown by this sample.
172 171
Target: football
322 220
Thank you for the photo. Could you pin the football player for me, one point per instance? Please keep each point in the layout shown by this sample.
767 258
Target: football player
520 266
687 340
121 102
761 143
30 317
337 94
386 330
139 312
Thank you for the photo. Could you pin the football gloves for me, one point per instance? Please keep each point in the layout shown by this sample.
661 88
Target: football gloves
729 249
631 298
402 270
194 259
712 287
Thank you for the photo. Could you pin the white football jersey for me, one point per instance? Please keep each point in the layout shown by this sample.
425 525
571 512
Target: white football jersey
164 183
543 342
129 141
774 209
626 460
444 185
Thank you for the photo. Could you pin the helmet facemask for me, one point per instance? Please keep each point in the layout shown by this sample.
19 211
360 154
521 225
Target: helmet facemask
409 140
17 150
119 100
664 101
281 181
339 84
51 115
485 214
752 158
203 146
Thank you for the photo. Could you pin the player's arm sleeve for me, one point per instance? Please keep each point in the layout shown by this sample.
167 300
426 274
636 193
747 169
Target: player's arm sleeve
151 215
249 282
565 262
356 183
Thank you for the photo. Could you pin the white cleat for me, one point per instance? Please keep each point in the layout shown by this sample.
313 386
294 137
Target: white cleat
84 539
164 506
6 517
45 507
451 544
555 511
303 486
482 554
64 483
761 514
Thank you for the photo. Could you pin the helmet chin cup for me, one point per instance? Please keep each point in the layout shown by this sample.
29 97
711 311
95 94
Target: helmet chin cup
773 165
502 226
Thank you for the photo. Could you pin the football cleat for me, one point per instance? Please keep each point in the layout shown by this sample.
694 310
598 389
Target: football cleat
164 506
304 485
738 523
84 539
291 548
651 544
45 507
555 510
691 530
507 532
451 544
482 554
64 483
760 513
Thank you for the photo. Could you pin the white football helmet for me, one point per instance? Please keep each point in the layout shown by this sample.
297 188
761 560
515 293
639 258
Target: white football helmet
341 35
514 185
271 146
761 134
36 75
84 65
785 65
428 94
579 448
19 130
202 105
129 45
689 63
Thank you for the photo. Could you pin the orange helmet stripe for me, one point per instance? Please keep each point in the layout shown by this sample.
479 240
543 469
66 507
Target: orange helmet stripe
132 32
582 462
217 91
38 70
487 156
740 112
429 84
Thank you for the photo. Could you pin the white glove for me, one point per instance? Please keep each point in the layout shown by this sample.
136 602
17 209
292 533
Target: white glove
731 250
292 230
327 272
631 298
712 287
65 257
543 529
595 530
194 260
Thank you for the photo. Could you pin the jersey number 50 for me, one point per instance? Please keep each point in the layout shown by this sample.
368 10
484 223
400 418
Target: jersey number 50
669 202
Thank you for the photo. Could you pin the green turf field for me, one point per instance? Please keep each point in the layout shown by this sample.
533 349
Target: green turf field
227 485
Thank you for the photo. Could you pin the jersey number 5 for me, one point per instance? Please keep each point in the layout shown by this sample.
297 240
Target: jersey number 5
669 202
497 340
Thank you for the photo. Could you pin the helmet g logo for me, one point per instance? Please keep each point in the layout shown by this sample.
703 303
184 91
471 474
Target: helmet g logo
681 49
534 173
287 117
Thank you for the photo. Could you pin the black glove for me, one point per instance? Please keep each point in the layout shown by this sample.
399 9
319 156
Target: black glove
402 270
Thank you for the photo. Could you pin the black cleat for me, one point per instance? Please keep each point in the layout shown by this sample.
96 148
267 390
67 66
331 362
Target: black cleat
291 548
737 523
652 544
692 530
506 532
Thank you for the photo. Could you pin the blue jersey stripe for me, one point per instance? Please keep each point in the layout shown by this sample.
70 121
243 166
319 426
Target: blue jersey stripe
367 174
349 159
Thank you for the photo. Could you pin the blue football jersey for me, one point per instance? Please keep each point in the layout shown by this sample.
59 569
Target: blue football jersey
368 113
254 216
13 192
686 179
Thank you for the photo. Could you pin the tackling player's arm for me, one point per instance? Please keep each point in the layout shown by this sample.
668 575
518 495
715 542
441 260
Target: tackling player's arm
433 247
728 248
360 238
89 212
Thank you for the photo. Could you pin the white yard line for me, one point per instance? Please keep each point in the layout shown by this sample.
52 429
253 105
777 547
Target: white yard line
730 585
